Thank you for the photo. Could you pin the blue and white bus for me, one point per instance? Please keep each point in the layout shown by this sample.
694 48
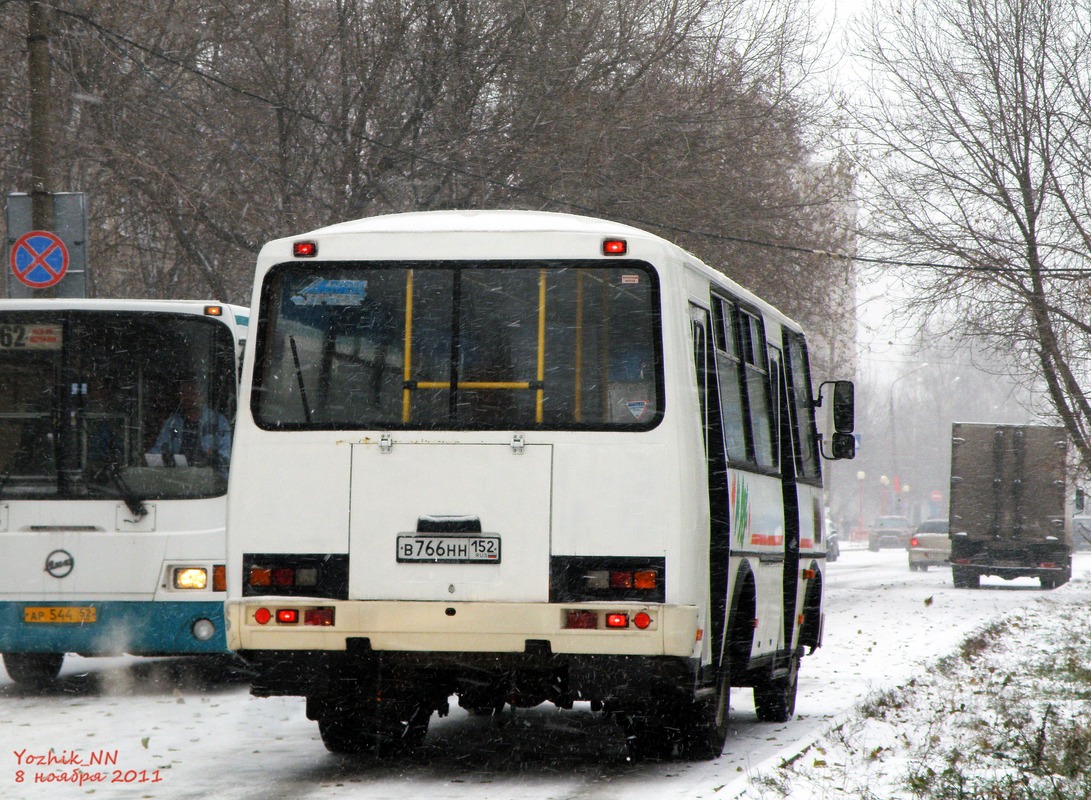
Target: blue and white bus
521 457
116 421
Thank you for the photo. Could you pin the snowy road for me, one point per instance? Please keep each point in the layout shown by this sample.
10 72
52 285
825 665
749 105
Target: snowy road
173 733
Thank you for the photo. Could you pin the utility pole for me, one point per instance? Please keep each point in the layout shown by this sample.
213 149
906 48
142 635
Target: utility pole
41 132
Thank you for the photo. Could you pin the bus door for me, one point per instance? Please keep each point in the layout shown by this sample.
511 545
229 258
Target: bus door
783 426
719 534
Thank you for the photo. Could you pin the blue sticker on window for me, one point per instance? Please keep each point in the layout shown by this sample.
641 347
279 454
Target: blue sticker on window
325 292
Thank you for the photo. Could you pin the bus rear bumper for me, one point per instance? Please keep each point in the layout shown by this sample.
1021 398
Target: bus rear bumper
463 627
99 628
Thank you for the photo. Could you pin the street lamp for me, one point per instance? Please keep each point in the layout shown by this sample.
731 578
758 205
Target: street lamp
884 482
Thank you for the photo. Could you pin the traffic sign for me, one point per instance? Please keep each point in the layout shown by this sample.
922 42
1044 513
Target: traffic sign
39 259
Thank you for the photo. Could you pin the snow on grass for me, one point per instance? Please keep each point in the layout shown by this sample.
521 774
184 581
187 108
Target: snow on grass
1006 717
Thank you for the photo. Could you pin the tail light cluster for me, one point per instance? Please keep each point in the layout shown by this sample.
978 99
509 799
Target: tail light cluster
295 575
604 578
914 542
322 616
590 619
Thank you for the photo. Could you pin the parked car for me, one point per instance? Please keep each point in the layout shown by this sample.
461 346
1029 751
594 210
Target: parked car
930 545
889 532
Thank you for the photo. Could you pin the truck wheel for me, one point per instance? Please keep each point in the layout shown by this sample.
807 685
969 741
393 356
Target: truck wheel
965 579
775 698
36 670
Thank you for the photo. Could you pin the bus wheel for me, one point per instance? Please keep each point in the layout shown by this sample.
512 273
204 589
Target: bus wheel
706 732
33 669
395 724
775 698
650 737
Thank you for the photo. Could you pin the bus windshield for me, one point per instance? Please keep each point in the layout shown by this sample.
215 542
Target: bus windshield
114 405
459 346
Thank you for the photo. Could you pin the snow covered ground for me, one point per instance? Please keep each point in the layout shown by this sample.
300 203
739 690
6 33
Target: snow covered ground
866 699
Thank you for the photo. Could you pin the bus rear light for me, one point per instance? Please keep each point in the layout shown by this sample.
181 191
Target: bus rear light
962 561
304 249
296 575
214 311
809 574
262 616
645 579
318 616
616 620
621 580
583 620
219 578
642 620
287 616
614 247
1048 565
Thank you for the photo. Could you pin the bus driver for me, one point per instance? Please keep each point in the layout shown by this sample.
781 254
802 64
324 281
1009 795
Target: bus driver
200 434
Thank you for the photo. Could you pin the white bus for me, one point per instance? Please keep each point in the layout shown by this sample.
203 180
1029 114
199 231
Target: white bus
115 437
521 457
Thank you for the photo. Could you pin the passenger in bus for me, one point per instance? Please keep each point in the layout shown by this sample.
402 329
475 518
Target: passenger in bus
200 434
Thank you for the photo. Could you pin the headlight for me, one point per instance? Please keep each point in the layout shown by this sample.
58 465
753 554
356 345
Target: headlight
190 578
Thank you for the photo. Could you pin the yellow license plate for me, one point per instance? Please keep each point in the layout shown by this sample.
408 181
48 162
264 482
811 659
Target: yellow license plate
69 614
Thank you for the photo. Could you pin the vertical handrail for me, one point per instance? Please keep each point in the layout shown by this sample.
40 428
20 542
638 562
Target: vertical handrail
578 410
539 409
407 351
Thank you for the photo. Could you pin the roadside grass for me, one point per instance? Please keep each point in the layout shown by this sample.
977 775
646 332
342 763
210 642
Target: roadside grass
1005 717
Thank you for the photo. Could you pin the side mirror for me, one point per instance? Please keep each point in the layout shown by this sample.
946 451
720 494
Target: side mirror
840 421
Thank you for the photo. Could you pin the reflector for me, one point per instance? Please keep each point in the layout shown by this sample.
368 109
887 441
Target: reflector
262 616
642 620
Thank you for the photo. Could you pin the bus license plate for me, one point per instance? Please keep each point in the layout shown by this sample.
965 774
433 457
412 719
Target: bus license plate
448 549
64 614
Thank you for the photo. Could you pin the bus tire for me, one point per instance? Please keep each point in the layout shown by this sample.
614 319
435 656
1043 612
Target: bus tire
775 698
704 738
963 578
36 670
395 724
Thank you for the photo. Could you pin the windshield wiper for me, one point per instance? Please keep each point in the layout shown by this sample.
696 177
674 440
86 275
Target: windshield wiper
133 501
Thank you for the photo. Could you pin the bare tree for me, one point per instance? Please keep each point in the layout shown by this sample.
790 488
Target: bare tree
980 145
201 128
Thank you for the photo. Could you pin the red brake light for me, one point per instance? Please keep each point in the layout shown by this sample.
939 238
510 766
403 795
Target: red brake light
617 620
318 616
288 616
614 247
914 542
621 580
586 620
304 249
